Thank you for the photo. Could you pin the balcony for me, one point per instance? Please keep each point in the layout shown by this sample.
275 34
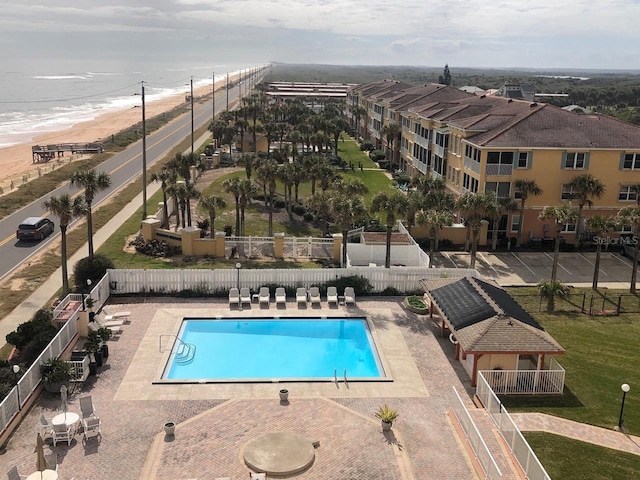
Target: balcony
469 164
440 151
497 170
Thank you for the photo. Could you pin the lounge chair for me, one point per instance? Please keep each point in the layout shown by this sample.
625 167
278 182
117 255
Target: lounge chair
245 296
46 428
234 296
281 296
301 295
117 316
349 296
314 295
264 295
91 427
115 329
86 407
332 295
62 433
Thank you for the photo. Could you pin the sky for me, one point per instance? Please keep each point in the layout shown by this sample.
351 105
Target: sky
589 34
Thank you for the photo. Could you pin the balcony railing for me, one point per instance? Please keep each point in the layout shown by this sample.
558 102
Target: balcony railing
526 382
499 170
469 164
440 151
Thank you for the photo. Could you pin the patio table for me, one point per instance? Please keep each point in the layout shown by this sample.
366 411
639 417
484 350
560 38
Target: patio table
69 419
44 475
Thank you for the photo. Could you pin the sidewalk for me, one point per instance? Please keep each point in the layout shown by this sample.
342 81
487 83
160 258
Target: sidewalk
43 295
540 422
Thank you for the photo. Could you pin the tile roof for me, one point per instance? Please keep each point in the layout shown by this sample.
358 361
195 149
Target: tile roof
485 318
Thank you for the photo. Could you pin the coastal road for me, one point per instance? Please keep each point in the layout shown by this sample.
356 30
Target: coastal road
123 168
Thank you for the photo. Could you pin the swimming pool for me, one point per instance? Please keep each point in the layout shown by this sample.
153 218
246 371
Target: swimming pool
268 349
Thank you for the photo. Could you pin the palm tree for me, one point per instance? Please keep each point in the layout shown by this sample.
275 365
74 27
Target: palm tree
247 191
524 188
232 186
287 175
560 215
584 187
391 132
268 174
346 210
320 204
630 215
357 111
415 203
551 290
427 183
250 160
92 182
474 207
391 204
208 205
600 225
350 186
437 220
67 210
165 177
502 206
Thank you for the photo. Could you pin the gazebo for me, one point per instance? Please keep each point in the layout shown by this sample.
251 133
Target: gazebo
494 334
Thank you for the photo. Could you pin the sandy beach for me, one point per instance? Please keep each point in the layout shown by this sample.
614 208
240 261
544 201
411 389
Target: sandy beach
16 161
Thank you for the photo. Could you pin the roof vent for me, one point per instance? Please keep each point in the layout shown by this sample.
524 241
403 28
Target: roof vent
534 104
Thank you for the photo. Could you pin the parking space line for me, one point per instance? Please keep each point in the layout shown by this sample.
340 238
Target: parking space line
589 261
559 264
523 264
489 263
445 254
623 260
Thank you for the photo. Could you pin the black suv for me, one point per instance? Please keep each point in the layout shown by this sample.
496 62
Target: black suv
34 228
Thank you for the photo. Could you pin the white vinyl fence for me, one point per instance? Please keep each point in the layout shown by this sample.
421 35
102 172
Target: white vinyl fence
476 441
526 382
517 443
404 279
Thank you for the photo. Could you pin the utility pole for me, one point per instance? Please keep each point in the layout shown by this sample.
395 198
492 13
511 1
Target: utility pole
227 91
192 152
213 97
144 159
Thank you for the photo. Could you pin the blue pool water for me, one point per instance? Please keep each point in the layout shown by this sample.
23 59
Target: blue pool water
266 349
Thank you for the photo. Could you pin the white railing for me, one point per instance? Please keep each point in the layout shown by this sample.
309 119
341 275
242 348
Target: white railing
476 441
498 170
209 281
31 378
525 382
521 450
310 247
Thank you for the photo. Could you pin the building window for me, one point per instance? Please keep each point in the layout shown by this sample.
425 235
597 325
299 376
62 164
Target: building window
567 192
523 160
501 189
515 223
631 161
627 194
501 158
470 183
574 161
569 228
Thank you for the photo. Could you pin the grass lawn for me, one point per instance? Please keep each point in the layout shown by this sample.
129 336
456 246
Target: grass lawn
569 459
350 152
601 355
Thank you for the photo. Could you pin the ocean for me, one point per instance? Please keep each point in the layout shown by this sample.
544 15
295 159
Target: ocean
53 94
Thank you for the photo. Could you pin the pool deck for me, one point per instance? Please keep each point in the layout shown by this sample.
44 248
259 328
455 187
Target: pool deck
215 421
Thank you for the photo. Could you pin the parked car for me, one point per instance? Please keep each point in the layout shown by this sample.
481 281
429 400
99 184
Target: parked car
627 250
35 228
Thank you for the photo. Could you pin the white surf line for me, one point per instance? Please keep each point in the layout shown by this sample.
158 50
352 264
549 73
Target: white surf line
523 264
488 263
445 254
589 261
559 264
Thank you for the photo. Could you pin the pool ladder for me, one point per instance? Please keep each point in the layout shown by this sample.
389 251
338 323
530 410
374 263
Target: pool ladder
335 376
185 352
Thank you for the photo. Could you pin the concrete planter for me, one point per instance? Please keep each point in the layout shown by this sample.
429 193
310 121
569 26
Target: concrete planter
169 428
414 309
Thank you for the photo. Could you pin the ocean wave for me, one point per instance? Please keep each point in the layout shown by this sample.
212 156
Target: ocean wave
104 74
61 77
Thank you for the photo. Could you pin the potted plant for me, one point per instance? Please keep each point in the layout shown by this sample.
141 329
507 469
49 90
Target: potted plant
105 334
55 373
387 416
284 395
92 345
169 428
90 302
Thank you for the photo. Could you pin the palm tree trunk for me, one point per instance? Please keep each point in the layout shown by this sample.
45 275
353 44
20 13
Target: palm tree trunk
519 237
65 278
474 246
297 184
183 207
387 257
437 242
596 268
432 243
237 215
90 230
313 186
634 268
176 208
241 232
165 209
290 203
271 214
344 248
212 230
556 254
188 207
577 241
494 235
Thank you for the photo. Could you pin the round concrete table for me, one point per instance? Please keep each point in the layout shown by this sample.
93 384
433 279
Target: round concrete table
69 419
44 475
279 453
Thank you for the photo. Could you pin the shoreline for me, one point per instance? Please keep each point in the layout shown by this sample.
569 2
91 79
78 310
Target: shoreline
16 163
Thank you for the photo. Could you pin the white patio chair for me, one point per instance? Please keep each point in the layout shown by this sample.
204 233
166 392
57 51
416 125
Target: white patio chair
46 428
245 296
349 296
314 295
301 295
264 296
281 296
234 296
332 295
91 427
86 407
62 433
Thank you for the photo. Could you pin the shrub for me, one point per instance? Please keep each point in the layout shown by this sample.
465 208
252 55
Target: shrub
27 331
279 203
391 292
360 284
228 230
91 269
154 248
299 209
384 165
366 146
308 217
377 155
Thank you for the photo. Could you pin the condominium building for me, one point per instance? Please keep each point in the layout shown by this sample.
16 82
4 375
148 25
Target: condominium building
487 143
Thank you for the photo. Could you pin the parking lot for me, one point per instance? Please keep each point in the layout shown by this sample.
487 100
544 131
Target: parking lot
529 268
